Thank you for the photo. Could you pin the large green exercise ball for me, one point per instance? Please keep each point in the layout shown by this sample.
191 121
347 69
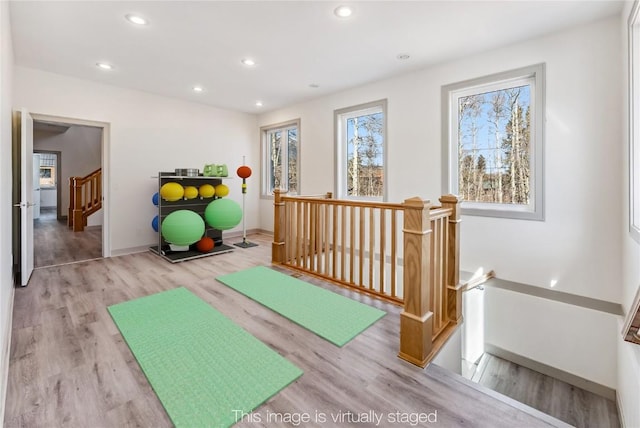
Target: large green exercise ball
223 214
182 227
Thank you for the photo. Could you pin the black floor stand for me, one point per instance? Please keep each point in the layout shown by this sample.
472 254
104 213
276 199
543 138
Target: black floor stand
245 244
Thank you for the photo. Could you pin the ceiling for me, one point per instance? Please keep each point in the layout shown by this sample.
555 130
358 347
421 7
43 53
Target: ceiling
296 44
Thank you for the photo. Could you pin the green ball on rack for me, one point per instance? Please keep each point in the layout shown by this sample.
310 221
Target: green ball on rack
223 214
182 227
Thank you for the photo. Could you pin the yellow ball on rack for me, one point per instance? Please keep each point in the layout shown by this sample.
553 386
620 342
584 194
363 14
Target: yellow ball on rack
190 192
171 191
207 191
222 190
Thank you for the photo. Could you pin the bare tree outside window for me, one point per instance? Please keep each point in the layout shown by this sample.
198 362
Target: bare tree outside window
494 147
493 143
360 139
280 158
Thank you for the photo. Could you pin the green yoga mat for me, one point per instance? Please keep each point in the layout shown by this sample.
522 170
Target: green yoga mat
331 316
205 369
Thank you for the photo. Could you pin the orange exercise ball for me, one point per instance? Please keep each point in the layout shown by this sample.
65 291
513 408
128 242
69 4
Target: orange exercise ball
244 172
205 244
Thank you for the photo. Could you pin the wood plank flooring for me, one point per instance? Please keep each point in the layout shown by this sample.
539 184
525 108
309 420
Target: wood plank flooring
566 402
54 243
70 367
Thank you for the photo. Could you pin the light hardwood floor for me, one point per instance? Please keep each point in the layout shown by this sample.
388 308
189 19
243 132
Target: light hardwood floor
70 367
573 405
55 243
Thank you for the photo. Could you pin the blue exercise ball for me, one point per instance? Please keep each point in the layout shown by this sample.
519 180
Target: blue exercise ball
155 200
154 222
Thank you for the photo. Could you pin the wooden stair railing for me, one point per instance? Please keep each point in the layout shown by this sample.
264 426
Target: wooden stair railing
355 244
85 198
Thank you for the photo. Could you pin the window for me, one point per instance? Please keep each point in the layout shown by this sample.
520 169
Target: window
48 170
361 151
634 123
280 158
493 143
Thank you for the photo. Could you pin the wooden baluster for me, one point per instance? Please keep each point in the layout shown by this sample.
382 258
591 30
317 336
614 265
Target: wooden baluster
334 254
343 241
383 243
327 220
352 243
299 236
278 247
372 241
313 220
361 246
454 288
394 258
416 320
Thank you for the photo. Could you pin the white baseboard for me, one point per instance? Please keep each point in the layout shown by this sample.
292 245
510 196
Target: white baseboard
6 353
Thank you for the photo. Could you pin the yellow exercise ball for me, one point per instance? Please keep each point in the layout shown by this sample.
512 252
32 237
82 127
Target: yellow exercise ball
171 191
222 190
207 191
190 192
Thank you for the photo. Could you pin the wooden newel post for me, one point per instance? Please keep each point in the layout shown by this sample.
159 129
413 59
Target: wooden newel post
416 323
71 202
278 245
454 288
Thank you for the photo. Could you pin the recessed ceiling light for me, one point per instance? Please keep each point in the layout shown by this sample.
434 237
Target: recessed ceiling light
258 103
198 89
104 66
402 57
248 62
343 11
136 19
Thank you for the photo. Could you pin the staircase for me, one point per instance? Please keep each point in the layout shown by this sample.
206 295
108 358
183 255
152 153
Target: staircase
85 198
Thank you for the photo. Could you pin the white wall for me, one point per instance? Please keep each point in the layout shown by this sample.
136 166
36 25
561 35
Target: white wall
628 362
579 242
80 148
6 262
148 133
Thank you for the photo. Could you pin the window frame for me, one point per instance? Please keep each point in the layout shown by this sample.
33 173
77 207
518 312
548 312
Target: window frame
633 26
340 116
533 75
265 192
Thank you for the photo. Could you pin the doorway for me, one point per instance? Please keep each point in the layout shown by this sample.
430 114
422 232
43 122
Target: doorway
66 147
65 150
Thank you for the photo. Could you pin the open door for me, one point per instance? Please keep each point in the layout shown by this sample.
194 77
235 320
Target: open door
26 196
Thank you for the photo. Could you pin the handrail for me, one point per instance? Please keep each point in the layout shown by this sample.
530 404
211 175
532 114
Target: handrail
85 198
356 244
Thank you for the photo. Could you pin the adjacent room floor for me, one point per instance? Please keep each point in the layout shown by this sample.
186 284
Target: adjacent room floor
54 243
